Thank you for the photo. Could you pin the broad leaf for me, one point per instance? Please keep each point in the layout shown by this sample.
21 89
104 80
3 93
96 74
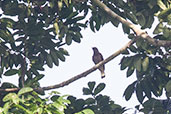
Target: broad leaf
10 96
87 91
99 88
91 85
129 91
11 72
145 64
139 93
25 90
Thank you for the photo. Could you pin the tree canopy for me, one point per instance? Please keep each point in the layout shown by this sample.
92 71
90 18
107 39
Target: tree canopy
33 34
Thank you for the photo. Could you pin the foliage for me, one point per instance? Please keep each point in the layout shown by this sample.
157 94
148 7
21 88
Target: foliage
33 33
27 101
98 103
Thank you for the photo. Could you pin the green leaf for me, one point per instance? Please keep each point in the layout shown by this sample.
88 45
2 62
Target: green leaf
49 61
129 91
139 93
149 22
76 37
25 90
54 57
168 86
11 72
92 25
133 49
60 4
161 4
38 77
154 89
146 88
87 91
165 14
145 64
8 85
99 88
131 17
86 111
6 35
64 51
91 85
124 63
90 101
158 29
98 23
60 56
141 19
66 2
137 62
166 32
10 96
125 52
68 39
126 29
8 22
56 26
115 22
130 71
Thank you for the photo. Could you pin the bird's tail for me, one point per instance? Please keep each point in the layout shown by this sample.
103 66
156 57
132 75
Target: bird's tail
102 74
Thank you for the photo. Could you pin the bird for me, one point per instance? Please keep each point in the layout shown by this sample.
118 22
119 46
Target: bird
97 57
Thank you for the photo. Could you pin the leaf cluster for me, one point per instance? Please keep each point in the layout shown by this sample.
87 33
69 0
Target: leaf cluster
98 103
27 101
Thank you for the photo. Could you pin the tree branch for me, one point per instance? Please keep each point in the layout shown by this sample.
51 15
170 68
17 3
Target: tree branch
85 73
81 75
136 30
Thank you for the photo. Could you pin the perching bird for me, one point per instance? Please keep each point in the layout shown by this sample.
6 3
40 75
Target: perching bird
97 57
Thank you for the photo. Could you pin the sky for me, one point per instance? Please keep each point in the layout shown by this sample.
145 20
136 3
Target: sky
108 40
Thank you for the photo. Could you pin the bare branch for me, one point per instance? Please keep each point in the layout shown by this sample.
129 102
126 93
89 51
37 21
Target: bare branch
81 75
85 73
136 30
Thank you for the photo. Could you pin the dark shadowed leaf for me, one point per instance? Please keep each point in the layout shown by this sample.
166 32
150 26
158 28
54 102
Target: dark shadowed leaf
130 71
99 88
129 91
137 62
141 19
68 39
158 29
11 72
91 85
139 93
92 25
64 51
146 88
87 91
133 49
49 61
60 56
54 57
126 29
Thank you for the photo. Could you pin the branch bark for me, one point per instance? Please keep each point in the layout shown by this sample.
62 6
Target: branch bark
136 30
81 75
